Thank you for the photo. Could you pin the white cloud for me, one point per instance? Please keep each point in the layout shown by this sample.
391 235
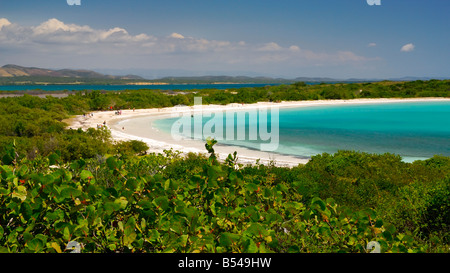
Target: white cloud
348 56
56 31
270 47
372 45
55 43
176 36
4 22
407 48
54 25
294 48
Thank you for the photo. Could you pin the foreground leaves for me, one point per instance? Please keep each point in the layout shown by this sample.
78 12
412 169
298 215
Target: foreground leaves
129 206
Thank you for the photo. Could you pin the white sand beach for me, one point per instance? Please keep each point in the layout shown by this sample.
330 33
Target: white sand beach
160 141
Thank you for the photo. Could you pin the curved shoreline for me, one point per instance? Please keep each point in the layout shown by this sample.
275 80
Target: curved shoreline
160 141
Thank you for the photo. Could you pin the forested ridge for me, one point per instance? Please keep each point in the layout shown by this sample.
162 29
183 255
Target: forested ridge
60 185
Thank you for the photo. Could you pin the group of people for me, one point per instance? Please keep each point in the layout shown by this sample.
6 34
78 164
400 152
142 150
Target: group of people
89 115
99 126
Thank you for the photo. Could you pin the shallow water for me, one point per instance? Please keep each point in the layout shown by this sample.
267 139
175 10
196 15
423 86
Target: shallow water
413 130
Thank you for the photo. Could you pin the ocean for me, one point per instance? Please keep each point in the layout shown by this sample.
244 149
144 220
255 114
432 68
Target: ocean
413 130
73 87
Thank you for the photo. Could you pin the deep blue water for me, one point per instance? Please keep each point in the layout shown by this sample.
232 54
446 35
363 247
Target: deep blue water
70 87
414 130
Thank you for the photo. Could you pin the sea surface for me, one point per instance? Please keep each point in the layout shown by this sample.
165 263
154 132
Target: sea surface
73 87
413 130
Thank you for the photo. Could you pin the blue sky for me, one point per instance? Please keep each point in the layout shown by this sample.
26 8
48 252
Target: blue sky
282 38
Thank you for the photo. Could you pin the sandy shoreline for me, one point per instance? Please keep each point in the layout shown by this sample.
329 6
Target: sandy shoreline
159 141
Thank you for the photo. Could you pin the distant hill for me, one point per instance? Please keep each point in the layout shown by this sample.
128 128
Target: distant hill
15 74
222 79
243 79
18 75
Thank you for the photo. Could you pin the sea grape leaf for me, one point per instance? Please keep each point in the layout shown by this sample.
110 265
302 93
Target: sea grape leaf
20 192
161 202
53 159
85 174
251 187
23 170
145 204
167 184
318 201
129 231
122 202
56 247
183 240
110 207
35 245
256 230
70 192
387 235
253 213
227 239
111 163
250 246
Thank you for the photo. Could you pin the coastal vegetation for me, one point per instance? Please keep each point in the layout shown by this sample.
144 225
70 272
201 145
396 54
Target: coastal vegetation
59 185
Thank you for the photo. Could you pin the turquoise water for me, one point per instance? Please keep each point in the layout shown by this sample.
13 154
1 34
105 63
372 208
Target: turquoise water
413 130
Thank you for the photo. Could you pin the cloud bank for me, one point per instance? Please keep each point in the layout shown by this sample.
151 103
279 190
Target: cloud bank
54 43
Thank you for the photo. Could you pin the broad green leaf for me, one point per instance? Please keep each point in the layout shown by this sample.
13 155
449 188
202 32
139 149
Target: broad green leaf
131 184
85 175
183 240
27 236
325 231
130 226
145 204
161 202
268 193
167 184
20 192
250 246
122 202
70 192
111 163
53 159
251 187
56 247
387 235
153 235
390 228
36 245
379 223
228 239
256 230
232 177
282 188
129 231
190 212
66 234
318 201
253 213
23 170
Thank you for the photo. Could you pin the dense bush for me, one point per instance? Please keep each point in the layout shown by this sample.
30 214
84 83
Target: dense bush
138 205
